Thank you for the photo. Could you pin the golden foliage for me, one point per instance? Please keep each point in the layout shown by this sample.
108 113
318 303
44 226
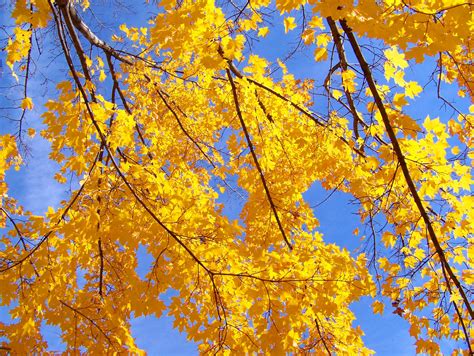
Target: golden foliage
185 129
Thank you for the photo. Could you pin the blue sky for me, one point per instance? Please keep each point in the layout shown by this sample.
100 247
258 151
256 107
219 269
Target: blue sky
36 189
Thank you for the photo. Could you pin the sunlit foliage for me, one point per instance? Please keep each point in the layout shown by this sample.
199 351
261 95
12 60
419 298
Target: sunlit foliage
161 121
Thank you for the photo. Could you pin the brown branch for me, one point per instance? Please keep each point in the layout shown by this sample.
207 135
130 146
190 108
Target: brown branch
343 62
46 236
254 156
99 242
283 279
88 33
464 329
123 99
264 108
64 6
17 229
180 124
317 119
438 90
321 336
22 239
101 271
438 12
403 164
104 143
27 75
116 83
461 74
93 322
330 73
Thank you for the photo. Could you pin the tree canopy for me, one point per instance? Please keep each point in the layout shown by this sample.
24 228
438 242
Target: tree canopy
159 127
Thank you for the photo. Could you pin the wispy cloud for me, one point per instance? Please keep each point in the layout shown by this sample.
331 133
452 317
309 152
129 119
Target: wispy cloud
34 185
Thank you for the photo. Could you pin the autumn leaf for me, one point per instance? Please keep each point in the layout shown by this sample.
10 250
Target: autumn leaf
31 132
289 23
396 58
320 54
412 89
377 307
348 80
263 31
27 104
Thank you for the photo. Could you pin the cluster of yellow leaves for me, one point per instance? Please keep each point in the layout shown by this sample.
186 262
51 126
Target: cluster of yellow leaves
18 48
8 156
28 16
157 179
36 13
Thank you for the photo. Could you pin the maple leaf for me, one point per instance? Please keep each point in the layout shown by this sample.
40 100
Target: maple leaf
27 104
396 58
289 23
263 31
412 89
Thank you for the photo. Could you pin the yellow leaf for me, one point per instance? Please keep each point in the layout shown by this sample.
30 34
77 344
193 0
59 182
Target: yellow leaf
289 23
31 132
233 46
256 65
348 80
116 38
27 104
102 76
28 326
389 239
88 61
378 307
263 31
320 54
317 22
415 330
323 39
336 94
412 89
399 100
60 178
124 28
395 57
308 36
85 4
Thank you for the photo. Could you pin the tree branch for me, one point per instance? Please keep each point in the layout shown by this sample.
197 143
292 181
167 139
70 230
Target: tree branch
343 62
403 164
254 156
